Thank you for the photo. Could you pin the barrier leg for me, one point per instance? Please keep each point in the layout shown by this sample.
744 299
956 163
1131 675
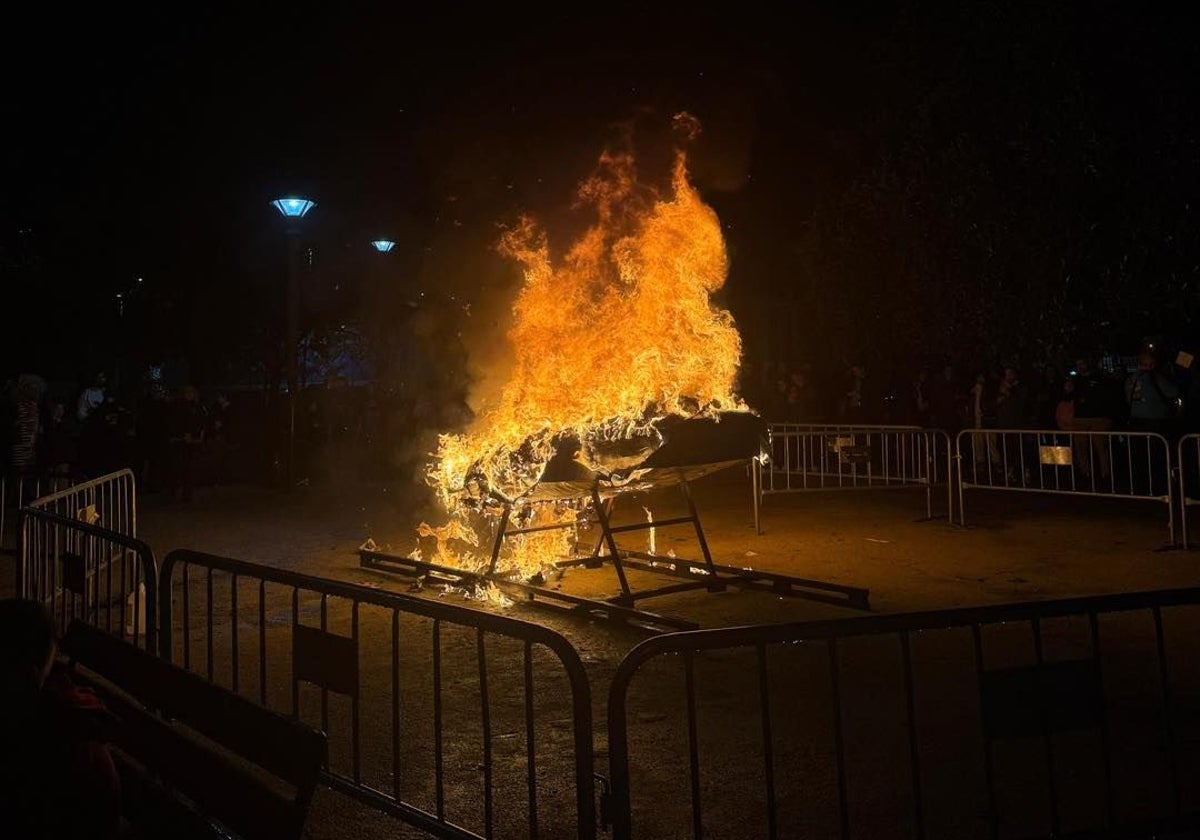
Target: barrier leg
1183 505
949 480
756 490
1170 498
962 509
929 476
19 565
1170 514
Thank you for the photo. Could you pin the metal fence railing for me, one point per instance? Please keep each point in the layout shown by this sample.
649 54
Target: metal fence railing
840 427
1119 465
1058 718
109 501
19 488
83 571
430 708
806 458
1188 464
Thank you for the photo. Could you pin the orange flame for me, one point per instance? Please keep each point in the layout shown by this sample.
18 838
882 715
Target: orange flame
612 338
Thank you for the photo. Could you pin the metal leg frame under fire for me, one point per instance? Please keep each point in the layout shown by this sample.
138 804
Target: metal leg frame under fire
695 574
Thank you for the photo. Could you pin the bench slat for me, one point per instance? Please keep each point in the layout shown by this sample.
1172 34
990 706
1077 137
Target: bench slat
222 790
284 747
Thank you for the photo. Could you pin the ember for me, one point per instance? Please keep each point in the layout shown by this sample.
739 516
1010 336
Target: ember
610 340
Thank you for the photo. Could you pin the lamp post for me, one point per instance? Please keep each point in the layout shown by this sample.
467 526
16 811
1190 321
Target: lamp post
381 328
292 210
120 340
382 246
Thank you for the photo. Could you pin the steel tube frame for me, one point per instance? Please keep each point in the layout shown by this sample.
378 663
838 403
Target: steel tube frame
62 563
908 458
484 623
687 645
114 494
1013 472
1186 501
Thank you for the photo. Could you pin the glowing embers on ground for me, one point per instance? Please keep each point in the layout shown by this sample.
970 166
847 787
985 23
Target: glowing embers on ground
607 341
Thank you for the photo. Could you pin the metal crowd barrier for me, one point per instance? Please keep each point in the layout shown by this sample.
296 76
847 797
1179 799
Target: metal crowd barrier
83 571
806 458
109 501
1116 465
841 427
1189 480
390 715
18 488
1067 718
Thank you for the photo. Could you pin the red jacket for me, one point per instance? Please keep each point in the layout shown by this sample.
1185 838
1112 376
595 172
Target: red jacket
57 777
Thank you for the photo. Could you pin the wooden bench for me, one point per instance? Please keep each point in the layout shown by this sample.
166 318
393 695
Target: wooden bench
250 770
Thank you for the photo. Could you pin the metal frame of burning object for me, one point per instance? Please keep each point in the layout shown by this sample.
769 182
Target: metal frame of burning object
597 494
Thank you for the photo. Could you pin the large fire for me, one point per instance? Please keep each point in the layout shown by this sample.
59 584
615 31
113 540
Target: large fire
607 341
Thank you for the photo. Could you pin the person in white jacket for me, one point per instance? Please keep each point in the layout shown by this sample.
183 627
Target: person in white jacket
91 398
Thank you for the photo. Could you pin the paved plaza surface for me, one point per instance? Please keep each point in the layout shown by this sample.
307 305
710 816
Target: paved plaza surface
1015 548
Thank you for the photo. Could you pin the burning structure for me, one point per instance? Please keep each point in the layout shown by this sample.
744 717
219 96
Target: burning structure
622 379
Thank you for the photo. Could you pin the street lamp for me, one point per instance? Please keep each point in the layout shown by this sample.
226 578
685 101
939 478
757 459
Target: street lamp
293 210
383 245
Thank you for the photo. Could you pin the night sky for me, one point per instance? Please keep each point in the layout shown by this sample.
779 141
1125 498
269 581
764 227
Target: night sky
837 145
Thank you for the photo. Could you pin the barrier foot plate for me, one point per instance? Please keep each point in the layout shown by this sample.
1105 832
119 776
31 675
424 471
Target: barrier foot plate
608 610
747 578
383 561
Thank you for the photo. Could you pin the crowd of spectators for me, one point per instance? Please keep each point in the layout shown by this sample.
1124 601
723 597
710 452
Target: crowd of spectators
1153 396
1147 393
178 439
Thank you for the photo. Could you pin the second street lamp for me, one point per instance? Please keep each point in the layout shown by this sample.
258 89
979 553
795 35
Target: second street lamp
293 210
383 246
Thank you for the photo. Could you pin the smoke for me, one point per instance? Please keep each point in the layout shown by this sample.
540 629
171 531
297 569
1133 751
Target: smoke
469 291
720 158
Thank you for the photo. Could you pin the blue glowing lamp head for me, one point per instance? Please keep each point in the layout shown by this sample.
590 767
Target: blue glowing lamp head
293 208
383 245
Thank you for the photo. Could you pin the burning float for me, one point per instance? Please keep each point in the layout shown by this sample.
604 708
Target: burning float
622 381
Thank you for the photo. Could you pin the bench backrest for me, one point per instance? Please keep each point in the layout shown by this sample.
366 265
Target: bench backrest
243 801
